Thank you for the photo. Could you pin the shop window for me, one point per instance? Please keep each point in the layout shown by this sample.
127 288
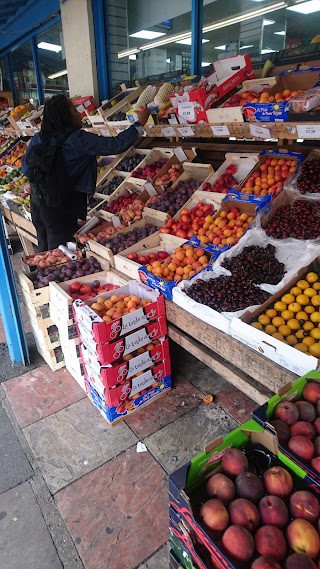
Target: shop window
52 61
4 75
23 74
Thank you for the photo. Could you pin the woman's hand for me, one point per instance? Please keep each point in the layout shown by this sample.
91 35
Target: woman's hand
143 114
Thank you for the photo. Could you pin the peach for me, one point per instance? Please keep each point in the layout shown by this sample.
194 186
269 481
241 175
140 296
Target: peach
316 443
306 411
304 505
311 392
249 486
244 513
282 430
234 462
273 511
301 447
315 463
316 425
303 538
214 515
221 487
270 541
286 412
265 562
299 561
303 428
278 481
238 543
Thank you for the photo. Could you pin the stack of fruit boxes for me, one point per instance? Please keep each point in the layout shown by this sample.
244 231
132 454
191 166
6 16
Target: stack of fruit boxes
126 359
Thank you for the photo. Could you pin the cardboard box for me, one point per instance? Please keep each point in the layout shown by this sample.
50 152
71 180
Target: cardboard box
84 105
290 392
270 347
130 389
108 331
113 351
111 375
187 484
115 414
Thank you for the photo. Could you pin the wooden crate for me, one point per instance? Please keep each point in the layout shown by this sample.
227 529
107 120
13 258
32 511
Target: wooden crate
131 152
153 157
110 176
125 96
127 188
54 357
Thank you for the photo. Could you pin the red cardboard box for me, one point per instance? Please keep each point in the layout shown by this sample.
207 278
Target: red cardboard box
112 375
104 332
85 105
111 352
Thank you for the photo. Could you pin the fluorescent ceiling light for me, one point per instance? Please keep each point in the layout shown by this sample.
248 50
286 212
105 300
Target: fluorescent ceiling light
209 28
188 41
58 74
168 60
283 33
223 47
246 46
267 50
147 35
205 64
267 22
306 7
49 46
133 57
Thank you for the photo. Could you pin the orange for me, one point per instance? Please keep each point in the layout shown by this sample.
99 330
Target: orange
301 316
278 336
315 300
294 306
301 348
271 313
293 324
256 325
280 306
310 292
270 329
287 314
307 326
277 321
314 350
308 341
300 334
315 333
286 93
312 277
303 284
315 317
291 340
264 320
309 309
303 298
285 330
288 298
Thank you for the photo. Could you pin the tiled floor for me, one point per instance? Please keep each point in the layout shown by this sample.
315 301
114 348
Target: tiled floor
74 492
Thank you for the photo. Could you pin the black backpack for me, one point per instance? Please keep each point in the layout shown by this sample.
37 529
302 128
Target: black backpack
50 180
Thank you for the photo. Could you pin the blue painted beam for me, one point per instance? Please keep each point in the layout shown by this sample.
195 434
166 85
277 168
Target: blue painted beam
37 71
11 80
196 28
10 307
100 23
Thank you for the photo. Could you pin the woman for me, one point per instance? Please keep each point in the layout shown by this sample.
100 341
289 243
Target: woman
62 125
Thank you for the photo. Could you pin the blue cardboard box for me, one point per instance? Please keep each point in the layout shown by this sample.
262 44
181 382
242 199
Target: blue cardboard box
259 201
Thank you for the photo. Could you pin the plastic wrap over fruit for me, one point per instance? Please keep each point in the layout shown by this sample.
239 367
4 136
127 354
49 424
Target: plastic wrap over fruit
305 101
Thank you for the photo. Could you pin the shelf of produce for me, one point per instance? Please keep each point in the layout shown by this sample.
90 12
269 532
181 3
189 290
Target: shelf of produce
244 368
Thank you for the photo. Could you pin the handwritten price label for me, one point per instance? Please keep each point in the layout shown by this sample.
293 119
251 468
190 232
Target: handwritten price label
168 131
186 111
220 130
308 130
259 132
186 131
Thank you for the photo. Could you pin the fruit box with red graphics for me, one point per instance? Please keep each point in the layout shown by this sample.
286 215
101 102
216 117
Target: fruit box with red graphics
112 375
265 156
227 74
291 392
130 388
85 105
111 352
187 486
108 331
278 111
185 545
270 347
115 414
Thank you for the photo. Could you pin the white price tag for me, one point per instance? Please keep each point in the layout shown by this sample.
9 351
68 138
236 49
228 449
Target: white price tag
186 111
180 154
259 132
220 130
150 189
172 119
308 130
116 221
168 131
186 131
105 132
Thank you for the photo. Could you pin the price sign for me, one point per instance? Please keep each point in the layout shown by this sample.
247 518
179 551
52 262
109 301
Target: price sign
116 221
220 130
168 131
150 189
180 154
308 130
172 119
186 131
186 111
259 132
105 132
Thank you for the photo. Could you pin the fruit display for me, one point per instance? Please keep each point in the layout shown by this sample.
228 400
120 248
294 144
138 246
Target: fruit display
50 258
264 96
225 228
295 317
182 264
309 178
7 177
298 219
297 425
190 221
104 234
252 267
85 291
108 188
124 240
120 116
130 162
259 514
174 199
149 171
14 157
62 273
148 258
269 177
128 207
115 306
224 183
172 175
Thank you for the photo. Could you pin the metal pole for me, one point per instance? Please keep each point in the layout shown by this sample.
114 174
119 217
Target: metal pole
196 29
10 307
37 70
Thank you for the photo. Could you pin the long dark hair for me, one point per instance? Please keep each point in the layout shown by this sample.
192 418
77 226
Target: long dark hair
57 117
